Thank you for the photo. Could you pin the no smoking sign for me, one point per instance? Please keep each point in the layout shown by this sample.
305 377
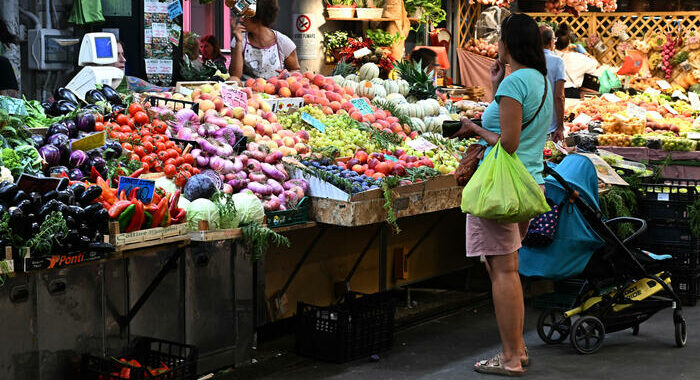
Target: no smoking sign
303 23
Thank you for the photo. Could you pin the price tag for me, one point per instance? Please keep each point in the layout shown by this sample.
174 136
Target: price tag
312 121
233 97
390 158
612 98
145 191
582 118
663 84
174 9
678 94
636 112
652 91
662 197
693 135
159 30
420 144
362 106
93 141
186 91
670 109
653 115
362 52
694 100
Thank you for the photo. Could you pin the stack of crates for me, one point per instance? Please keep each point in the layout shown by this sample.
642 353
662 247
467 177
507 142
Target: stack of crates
664 206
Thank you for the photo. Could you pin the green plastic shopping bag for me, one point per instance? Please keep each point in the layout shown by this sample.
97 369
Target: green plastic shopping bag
503 190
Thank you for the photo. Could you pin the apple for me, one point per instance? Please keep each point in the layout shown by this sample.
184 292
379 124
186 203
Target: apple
372 163
303 135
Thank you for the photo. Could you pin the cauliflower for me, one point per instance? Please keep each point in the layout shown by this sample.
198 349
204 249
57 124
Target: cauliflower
5 175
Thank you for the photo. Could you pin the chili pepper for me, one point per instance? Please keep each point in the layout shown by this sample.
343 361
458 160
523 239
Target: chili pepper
147 220
94 174
173 202
136 173
122 195
156 198
137 220
118 208
126 216
180 217
160 211
132 194
108 193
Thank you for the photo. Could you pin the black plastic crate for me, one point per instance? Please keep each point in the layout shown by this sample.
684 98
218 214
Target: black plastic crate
664 211
360 326
181 359
671 235
686 260
686 287
174 104
683 190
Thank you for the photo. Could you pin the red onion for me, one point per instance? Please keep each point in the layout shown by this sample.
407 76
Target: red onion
276 187
241 175
244 159
238 183
297 182
202 161
273 157
253 165
257 176
216 163
237 165
259 189
272 172
283 201
228 166
229 176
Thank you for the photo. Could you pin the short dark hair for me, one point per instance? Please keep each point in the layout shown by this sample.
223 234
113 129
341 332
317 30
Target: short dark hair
521 35
547 35
266 12
563 41
424 55
210 39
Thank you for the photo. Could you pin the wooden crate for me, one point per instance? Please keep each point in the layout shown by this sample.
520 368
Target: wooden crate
213 235
147 238
192 84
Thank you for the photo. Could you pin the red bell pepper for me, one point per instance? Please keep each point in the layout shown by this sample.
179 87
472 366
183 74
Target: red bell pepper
173 203
161 211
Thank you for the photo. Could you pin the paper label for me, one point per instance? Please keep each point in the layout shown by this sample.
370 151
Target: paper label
234 97
652 91
420 144
583 119
612 98
147 36
663 84
653 115
390 158
159 30
174 35
636 112
694 100
284 104
312 121
693 136
145 191
159 66
362 52
29 184
605 172
93 141
362 106
670 109
155 7
662 197
186 91
678 94
174 9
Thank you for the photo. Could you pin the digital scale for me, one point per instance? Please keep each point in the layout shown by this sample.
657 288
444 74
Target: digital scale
96 51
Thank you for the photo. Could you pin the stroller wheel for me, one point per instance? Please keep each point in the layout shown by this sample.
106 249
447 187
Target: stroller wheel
553 327
635 330
681 329
587 334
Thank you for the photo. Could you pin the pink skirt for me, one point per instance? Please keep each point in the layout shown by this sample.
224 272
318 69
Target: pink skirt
486 237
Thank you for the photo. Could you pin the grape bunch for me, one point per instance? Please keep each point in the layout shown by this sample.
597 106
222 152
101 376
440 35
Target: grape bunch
668 51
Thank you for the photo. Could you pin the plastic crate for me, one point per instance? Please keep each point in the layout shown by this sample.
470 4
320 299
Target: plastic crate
686 287
687 260
149 352
298 215
669 212
175 104
683 190
360 326
671 235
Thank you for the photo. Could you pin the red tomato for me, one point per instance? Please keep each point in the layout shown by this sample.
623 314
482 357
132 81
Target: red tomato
99 126
148 147
180 179
160 127
160 147
186 167
127 146
123 120
135 157
140 151
179 161
172 153
170 144
98 117
162 155
196 171
188 158
140 118
134 108
169 161
170 170
145 166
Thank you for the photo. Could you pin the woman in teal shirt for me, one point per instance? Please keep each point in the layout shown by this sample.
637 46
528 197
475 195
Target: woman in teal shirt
519 117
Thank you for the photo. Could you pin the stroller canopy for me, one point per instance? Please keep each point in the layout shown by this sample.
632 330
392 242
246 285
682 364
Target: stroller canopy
574 241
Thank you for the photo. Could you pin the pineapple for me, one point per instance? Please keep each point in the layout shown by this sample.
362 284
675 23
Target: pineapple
420 80
343 68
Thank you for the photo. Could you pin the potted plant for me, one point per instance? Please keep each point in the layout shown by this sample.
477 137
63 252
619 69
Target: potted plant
381 38
340 8
426 11
370 9
333 42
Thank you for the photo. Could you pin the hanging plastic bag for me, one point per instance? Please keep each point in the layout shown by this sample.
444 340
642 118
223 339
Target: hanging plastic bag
502 189
608 81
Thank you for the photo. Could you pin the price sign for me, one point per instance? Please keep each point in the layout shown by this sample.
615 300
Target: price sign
420 144
145 191
362 106
234 97
312 121
653 115
636 112
174 9
186 91
663 84
678 94
670 109
583 119
694 100
612 98
93 141
29 184
362 52
652 91
391 158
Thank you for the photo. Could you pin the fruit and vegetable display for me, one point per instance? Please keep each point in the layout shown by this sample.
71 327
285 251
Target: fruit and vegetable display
481 47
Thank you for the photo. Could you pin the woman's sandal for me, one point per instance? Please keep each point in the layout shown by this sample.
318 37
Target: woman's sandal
495 366
525 362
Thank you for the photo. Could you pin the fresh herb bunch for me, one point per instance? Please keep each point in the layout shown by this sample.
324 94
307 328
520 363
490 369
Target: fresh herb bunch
40 244
121 166
620 201
12 131
258 237
694 218
228 216
419 79
335 40
382 38
388 185
432 10
680 57
421 173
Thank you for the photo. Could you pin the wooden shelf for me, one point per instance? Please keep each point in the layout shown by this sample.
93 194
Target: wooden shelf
362 19
414 19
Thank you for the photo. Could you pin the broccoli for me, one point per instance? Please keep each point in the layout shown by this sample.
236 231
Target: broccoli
11 160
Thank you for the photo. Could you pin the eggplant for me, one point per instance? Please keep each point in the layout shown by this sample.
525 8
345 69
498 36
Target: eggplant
76 174
85 122
47 107
25 206
8 191
73 236
63 107
3 209
102 221
62 93
63 184
57 128
92 210
18 222
111 95
58 171
35 228
100 246
63 208
93 96
90 195
51 154
19 197
99 164
38 141
72 128
48 208
53 194
78 189
112 150
84 229
35 198
67 197
62 142
84 242
77 212
70 221
117 109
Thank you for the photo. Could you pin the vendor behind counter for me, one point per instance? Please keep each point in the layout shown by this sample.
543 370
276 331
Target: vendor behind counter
577 65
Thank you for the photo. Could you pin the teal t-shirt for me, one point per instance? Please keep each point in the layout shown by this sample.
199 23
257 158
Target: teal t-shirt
526 87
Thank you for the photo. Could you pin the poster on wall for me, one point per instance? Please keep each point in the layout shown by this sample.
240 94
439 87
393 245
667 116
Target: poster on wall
158 45
306 35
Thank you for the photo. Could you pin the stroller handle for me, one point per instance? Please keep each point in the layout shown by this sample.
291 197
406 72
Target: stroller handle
642 226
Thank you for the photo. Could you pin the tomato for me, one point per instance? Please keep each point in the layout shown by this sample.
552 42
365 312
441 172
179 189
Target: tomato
170 171
178 149
135 157
147 160
196 171
179 161
170 144
188 158
140 151
180 179
99 118
160 126
169 161
145 167
172 153
157 166
147 139
134 108
162 155
123 120
160 147
125 129
99 126
144 132
186 167
140 118
127 146
148 147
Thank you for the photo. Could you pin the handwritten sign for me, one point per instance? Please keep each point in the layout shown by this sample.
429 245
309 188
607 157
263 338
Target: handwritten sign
29 184
636 112
663 84
159 30
186 91
155 7
312 121
362 106
159 66
583 119
93 141
145 191
678 94
234 97
390 158
694 100
653 115
285 104
652 91
670 109
174 9
420 144
612 98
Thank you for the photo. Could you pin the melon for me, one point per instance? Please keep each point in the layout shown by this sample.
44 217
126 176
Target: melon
391 87
352 78
339 80
404 87
378 82
365 88
418 125
395 98
369 71
379 91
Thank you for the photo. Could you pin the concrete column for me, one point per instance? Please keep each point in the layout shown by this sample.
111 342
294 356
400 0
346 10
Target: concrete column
313 9
10 14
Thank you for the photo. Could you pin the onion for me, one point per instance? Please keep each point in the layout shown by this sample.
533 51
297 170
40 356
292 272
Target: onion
273 157
244 159
186 114
297 182
241 175
237 164
202 161
272 172
230 176
228 166
206 146
259 189
257 176
276 187
253 165
216 163
283 201
185 134
237 184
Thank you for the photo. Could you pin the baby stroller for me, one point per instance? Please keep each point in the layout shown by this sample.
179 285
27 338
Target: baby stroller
622 287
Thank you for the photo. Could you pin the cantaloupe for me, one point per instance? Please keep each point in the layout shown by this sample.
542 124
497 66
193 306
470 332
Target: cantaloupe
369 71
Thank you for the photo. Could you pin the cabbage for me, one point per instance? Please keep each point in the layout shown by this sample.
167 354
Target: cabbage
202 209
249 208
183 203
167 185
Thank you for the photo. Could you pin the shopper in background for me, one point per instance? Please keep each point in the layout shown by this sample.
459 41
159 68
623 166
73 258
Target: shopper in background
519 117
257 51
426 57
8 80
556 74
577 65
211 51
